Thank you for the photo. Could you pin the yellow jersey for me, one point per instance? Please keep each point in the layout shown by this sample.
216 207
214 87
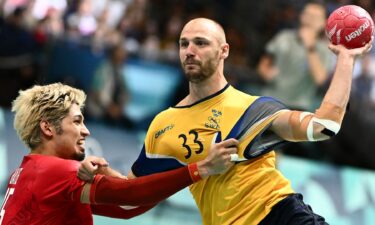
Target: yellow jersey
181 135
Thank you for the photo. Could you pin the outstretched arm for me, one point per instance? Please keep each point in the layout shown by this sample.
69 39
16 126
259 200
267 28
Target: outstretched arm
326 121
143 191
119 212
154 188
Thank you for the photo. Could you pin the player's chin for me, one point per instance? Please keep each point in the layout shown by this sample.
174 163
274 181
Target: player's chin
191 72
196 77
80 156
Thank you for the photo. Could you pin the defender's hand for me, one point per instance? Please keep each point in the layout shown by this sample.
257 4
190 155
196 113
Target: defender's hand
219 159
95 165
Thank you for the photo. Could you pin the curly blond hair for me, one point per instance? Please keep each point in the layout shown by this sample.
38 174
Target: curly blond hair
48 102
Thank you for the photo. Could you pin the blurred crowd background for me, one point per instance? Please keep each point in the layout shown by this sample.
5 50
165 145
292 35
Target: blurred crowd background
124 55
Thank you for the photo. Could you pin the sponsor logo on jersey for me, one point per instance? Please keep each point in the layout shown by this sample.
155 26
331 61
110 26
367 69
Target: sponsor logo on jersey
357 32
162 131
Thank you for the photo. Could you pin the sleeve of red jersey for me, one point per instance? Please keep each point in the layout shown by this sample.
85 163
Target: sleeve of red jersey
145 190
120 212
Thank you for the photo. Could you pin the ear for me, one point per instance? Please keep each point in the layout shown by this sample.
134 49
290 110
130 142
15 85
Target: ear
46 128
225 51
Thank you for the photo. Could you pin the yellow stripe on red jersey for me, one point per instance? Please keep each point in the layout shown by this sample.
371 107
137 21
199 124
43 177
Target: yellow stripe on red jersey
181 135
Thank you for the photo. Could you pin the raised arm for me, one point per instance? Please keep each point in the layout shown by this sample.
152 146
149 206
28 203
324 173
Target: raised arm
326 121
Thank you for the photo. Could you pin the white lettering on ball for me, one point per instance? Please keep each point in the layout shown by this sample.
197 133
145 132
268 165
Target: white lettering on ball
357 32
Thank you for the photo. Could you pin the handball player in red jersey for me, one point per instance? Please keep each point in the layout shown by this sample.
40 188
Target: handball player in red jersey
45 188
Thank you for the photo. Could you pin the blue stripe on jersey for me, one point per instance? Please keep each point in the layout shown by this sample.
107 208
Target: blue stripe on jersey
264 141
262 144
146 166
261 108
218 137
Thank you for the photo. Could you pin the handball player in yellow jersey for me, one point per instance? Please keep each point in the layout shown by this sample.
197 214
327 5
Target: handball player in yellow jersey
253 191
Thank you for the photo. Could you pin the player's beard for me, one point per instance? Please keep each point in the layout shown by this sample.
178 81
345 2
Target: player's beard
205 71
79 157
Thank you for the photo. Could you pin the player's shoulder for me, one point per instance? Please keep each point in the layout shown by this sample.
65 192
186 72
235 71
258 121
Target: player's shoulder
232 91
268 102
240 98
160 119
163 114
264 107
257 103
54 164
242 95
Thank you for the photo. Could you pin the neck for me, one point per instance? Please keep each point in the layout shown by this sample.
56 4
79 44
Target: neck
198 91
43 149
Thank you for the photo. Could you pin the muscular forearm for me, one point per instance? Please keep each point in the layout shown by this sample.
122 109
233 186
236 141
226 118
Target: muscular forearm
339 89
141 191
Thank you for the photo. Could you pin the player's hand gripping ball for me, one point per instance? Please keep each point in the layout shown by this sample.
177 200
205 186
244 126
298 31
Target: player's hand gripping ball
350 26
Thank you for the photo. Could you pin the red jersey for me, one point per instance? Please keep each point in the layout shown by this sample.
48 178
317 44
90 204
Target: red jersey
45 190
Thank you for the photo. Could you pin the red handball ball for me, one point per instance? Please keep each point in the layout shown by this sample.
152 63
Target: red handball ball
350 26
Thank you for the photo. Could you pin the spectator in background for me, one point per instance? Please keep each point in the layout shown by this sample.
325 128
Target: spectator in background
108 95
239 73
47 8
132 25
48 28
104 35
18 66
302 60
168 45
83 19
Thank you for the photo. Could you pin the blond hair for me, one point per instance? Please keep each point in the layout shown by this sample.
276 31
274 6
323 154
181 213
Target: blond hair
48 102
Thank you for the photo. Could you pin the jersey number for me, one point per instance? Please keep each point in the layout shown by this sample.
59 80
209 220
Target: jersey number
196 141
9 192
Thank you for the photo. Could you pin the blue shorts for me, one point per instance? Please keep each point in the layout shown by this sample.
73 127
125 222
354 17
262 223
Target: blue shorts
292 211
